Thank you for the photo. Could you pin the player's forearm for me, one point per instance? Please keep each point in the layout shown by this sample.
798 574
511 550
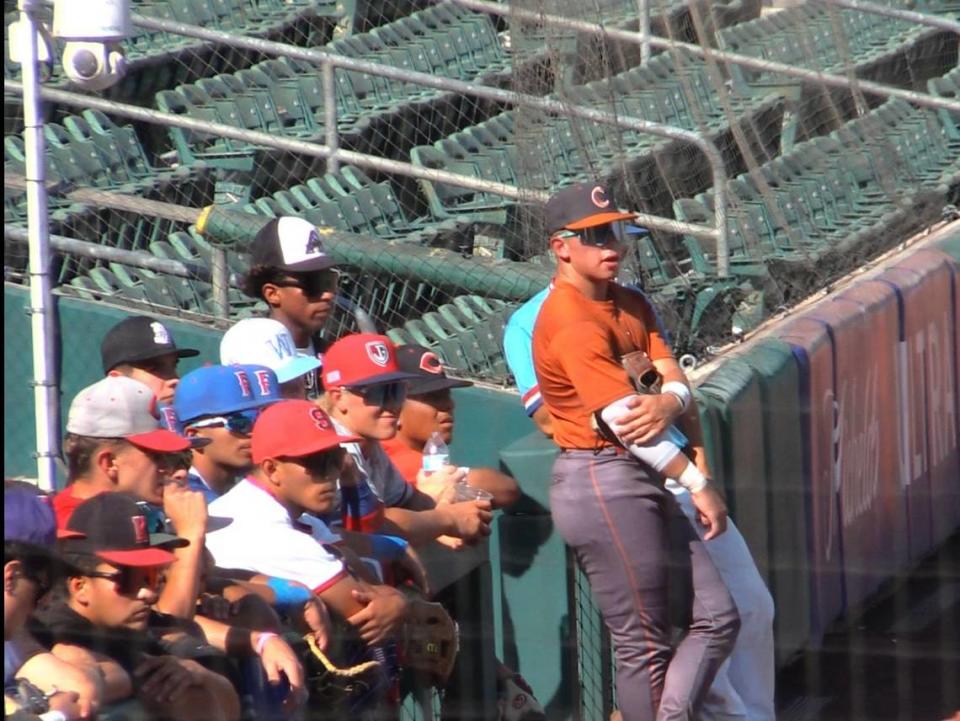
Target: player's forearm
420 527
179 595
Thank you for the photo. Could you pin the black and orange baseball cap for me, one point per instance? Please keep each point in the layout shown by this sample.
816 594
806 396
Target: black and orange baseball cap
114 528
580 206
362 359
427 369
313 432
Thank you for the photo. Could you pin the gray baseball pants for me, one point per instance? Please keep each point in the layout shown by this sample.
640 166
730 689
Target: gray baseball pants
626 531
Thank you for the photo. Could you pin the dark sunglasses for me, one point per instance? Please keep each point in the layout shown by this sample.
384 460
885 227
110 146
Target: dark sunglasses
167 462
382 395
325 464
238 422
313 284
129 581
601 236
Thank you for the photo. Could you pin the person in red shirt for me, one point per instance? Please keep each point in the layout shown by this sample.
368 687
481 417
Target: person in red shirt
429 407
115 442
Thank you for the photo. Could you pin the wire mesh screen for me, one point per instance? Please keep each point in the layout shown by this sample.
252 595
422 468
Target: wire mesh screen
821 179
594 659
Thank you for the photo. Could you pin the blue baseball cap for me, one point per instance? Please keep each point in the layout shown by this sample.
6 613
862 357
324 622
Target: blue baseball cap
28 518
218 390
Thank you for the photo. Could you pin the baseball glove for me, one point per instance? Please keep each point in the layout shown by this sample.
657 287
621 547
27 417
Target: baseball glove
341 691
430 642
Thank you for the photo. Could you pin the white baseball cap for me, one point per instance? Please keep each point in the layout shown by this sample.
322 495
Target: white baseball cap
120 407
265 342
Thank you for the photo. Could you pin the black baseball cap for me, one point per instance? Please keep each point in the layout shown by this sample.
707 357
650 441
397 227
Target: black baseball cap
580 206
427 371
291 244
139 338
114 528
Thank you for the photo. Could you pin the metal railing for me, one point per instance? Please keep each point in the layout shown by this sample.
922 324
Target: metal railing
333 153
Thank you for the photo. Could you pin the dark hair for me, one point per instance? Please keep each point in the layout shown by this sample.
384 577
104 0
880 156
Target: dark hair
79 451
258 276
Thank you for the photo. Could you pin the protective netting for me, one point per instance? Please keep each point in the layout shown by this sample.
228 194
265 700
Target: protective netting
820 179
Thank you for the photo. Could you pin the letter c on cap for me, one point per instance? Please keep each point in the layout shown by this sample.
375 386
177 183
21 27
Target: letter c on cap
599 197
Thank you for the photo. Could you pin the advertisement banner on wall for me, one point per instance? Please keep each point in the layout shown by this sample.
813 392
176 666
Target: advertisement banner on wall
865 324
813 350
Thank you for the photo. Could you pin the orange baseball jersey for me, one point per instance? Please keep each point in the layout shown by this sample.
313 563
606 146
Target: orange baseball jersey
577 345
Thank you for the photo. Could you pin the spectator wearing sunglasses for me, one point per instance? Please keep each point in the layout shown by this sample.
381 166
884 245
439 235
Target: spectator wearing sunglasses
35 680
429 407
143 349
104 619
266 342
295 276
220 404
365 392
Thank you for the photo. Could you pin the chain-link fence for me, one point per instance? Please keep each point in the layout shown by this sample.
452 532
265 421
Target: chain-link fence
821 178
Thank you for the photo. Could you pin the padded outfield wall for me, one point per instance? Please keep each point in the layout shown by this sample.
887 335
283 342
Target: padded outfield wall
834 434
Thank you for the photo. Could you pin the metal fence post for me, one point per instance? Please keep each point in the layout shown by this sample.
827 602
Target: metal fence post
220 281
330 115
41 295
643 15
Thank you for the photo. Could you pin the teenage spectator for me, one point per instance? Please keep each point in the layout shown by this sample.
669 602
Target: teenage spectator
142 348
617 522
429 407
295 276
275 529
266 342
365 390
115 443
220 405
104 620
30 566
744 686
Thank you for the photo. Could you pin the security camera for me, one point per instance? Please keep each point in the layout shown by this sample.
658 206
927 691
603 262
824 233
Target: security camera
94 66
92 31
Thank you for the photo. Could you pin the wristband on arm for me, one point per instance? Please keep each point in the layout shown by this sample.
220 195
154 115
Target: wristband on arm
680 391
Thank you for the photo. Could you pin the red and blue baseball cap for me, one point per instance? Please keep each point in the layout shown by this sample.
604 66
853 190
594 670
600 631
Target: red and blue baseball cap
114 528
362 359
294 429
219 390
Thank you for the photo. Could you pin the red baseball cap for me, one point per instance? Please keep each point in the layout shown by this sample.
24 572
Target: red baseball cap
294 429
362 359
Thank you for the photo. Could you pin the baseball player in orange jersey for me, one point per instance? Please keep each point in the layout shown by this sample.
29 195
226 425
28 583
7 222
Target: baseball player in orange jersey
607 498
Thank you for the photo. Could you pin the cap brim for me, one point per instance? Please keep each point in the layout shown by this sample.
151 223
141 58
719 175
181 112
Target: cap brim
167 541
137 557
382 378
591 221
215 523
299 366
422 386
151 354
65 533
306 266
308 448
160 440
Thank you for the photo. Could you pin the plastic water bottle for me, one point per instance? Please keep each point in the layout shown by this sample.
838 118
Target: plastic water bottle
436 455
